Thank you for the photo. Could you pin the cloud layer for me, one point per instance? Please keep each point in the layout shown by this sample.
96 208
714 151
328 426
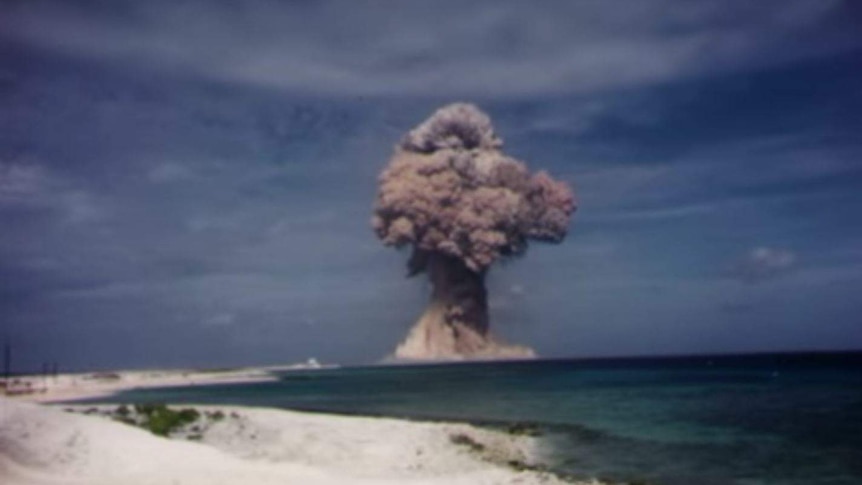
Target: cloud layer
448 47
763 263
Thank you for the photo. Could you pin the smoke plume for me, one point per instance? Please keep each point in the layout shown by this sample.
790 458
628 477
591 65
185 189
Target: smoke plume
461 204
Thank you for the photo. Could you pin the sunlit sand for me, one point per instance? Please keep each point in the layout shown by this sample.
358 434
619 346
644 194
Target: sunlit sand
50 444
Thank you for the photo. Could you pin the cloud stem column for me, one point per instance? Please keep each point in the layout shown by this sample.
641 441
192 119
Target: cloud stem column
461 291
456 319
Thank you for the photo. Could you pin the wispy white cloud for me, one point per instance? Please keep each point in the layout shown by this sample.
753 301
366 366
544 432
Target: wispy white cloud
486 48
22 184
763 263
30 185
713 177
770 159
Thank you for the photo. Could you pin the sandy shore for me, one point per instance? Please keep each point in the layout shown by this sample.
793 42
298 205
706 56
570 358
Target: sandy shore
68 387
59 444
41 444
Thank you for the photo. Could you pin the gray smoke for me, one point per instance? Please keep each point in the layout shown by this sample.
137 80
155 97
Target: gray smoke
449 189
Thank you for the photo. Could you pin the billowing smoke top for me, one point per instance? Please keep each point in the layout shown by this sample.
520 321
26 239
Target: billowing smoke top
458 125
449 189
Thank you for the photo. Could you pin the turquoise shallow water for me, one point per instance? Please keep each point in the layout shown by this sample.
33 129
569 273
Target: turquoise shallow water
768 419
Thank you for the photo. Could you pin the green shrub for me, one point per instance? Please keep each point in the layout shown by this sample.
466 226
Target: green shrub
147 409
189 415
162 421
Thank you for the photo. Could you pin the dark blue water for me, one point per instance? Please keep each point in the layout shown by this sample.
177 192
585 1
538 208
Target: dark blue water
767 419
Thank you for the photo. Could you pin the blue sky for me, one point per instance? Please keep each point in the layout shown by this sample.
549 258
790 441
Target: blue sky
190 183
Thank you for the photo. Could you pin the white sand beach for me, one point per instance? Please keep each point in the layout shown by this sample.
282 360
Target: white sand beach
68 387
49 444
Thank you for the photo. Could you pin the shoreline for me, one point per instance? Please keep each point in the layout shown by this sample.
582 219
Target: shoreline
91 385
46 438
44 444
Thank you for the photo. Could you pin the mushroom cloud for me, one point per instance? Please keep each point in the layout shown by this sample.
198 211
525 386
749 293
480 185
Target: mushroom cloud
461 204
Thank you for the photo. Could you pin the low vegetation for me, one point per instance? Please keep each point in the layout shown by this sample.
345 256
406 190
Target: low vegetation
464 440
160 419
524 429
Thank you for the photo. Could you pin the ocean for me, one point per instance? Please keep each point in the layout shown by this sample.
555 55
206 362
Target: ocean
787 419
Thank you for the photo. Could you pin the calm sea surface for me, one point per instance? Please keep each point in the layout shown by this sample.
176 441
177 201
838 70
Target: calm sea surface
766 419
